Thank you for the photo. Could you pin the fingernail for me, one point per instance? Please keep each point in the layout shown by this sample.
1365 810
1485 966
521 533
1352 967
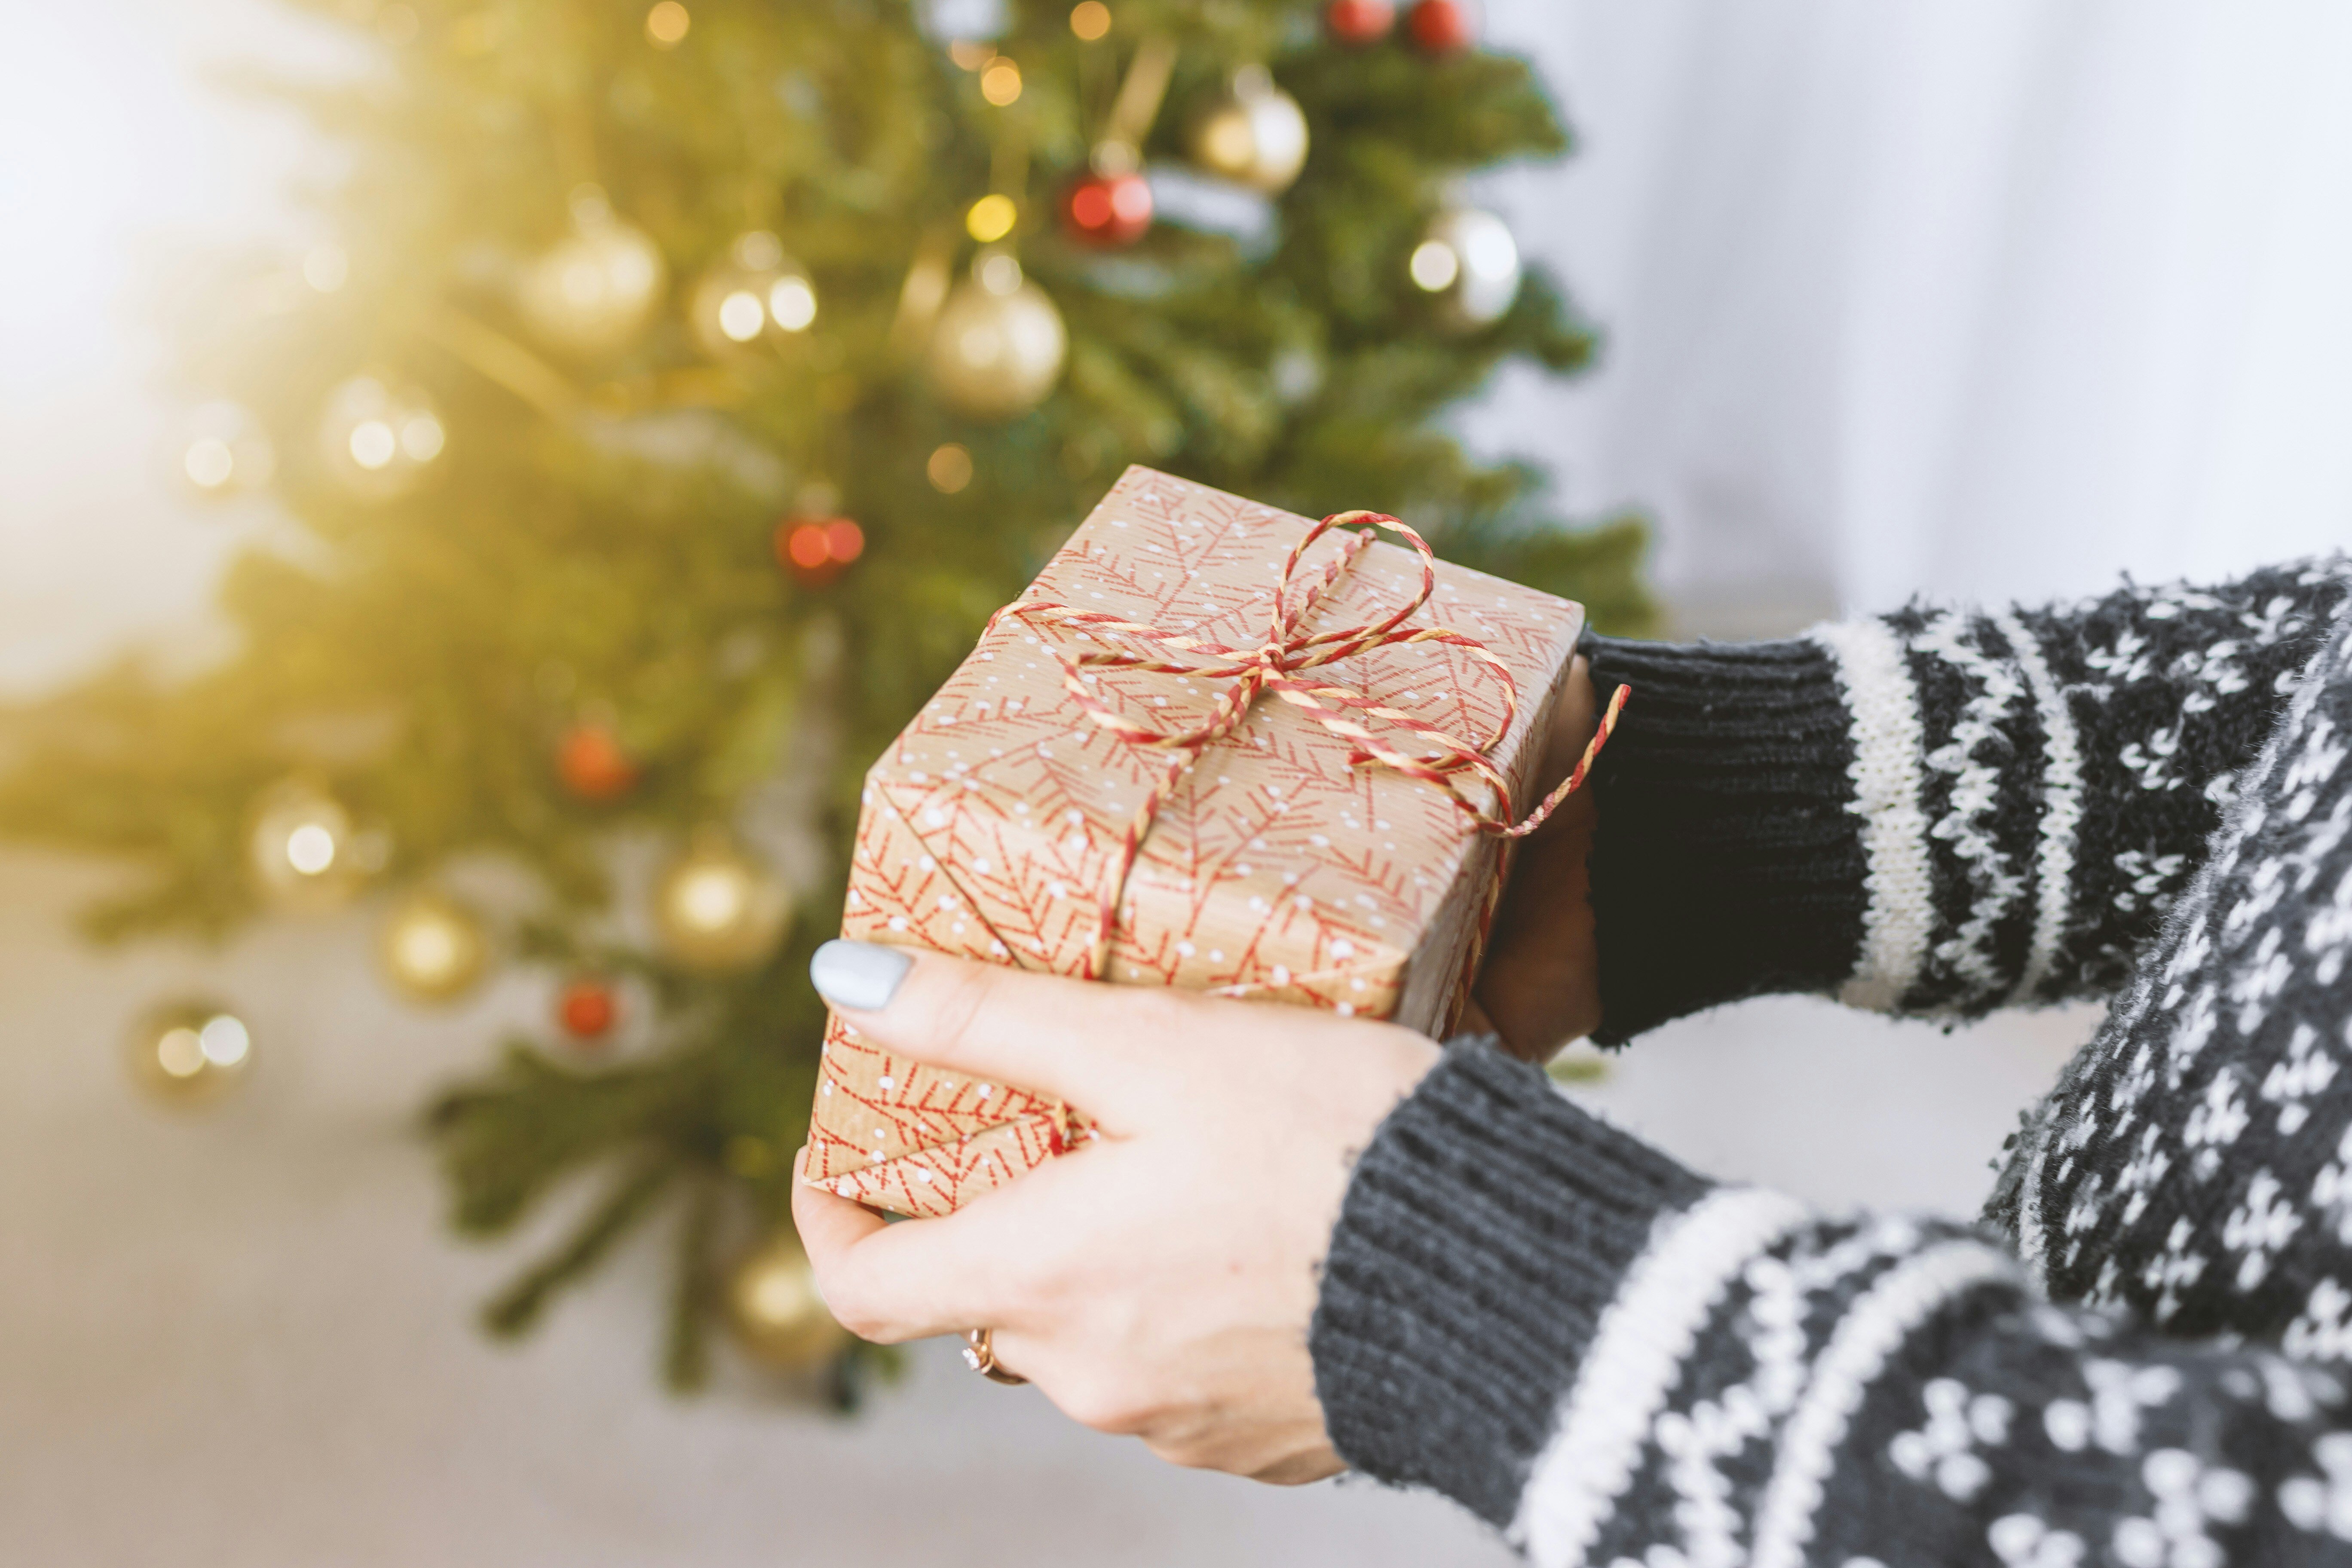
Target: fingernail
862 975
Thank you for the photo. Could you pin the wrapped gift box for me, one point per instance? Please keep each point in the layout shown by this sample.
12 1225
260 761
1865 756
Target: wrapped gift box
1278 862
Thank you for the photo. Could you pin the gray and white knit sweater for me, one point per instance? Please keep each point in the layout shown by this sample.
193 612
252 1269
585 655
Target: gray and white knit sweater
2139 1358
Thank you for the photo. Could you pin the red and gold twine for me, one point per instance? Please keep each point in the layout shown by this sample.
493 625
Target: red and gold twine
1276 666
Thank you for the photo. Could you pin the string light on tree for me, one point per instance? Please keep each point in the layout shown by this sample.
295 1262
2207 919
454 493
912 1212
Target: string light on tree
1254 133
1468 261
1000 81
593 291
587 1008
815 551
1109 205
991 218
1358 22
752 293
1442 26
590 762
186 1054
227 452
667 25
998 345
949 467
717 909
432 947
379 437
774 1306
302 849
1090 20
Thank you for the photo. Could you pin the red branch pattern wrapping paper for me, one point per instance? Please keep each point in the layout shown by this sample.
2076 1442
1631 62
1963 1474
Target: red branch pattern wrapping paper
1276 870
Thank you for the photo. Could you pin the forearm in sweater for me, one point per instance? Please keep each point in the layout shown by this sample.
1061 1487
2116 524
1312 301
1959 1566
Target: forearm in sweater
1609 1358
1936 811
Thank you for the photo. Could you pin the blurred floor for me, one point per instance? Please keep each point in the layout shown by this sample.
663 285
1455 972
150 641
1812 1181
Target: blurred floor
242 1339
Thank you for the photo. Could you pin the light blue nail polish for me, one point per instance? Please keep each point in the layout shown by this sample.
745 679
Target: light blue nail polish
863 975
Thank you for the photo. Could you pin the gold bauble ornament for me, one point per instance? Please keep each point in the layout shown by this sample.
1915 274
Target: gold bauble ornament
1254 134
1468 260
597 287
303 848
998 345
715 908
752 294
432 947
380 438
189 1053
774 1308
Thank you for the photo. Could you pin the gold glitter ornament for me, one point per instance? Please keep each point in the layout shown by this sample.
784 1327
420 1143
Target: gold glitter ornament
595 288
1254 134
752 294
715 908
432 947
998 345
774 1306
191 1053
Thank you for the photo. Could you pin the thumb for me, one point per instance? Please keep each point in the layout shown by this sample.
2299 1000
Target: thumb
1078 1040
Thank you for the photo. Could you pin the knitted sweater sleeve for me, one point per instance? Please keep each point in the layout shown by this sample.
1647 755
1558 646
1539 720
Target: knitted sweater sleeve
1938 812
1623 1364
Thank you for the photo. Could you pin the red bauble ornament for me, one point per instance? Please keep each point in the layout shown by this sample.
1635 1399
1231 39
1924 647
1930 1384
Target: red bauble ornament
592 764
587 1009
1107 211
1358 21
1441 26
815 551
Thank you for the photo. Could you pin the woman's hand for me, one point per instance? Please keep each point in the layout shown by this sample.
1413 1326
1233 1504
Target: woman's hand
1159 1282
1540 988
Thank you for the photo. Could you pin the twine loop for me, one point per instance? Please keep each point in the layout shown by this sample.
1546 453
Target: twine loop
1279 665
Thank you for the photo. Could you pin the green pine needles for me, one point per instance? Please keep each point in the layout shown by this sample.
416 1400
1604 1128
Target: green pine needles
583 528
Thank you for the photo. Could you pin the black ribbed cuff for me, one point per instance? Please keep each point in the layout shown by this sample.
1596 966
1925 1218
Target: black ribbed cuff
1728 862
1484 1232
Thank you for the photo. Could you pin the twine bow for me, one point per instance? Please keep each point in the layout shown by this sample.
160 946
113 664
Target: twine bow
1278 664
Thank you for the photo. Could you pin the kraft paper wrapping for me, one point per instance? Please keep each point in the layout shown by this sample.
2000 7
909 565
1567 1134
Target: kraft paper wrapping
1275 870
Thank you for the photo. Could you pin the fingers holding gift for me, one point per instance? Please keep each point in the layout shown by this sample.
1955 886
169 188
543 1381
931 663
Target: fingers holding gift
1086 1044
891 1283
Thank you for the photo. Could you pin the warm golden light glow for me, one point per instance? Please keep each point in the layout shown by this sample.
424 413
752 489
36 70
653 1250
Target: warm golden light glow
1435 266
210 463
712 896
999 274
373 444
949 469
1001 82
971 53
223 1042
991 218
422 438
793 303
181 1053
310 848
667 25
1091 19
740 316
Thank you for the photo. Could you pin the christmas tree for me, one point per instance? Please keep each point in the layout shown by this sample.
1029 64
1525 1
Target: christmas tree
683 388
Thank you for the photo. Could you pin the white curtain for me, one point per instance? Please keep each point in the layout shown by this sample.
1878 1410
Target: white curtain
1982 299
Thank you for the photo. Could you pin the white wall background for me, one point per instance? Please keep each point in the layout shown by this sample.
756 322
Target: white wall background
1983 298
1979 298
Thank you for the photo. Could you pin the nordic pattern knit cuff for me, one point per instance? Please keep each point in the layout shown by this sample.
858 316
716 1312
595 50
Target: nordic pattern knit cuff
1486 1228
